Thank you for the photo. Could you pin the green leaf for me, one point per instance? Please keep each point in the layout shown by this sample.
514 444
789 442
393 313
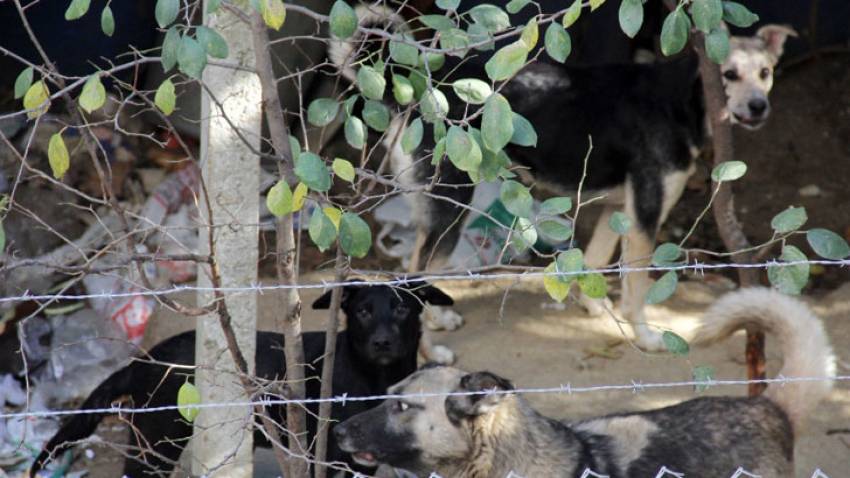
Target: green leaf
191 57
439 152
212 6
448 4
402 90
593 285
555 230
412 136
77 9
2 238
294 147
322 111
572 14
619 223
322 230
93 95
571 262
594 4
439 130
463 150
57 155
728 171
455 41
479 34
404 53
555 287
187 396
375 115
212 42
472 91
789 220
524 134
23 82
343 20
371 83
166 12
516 198
717 45
663 288
497 127
298 197
789 279
675 344
435 61
555 206
333 214
348 105
355 132
507 61
170 47
437 22
631 17
490 17
666 254
274 13
434 105
525 235
530 34
343 169
558 43
674 32
707 14
37 99
107 21
828 244
354 235
311 170
738 15
279 199
165 99
703 373
516 5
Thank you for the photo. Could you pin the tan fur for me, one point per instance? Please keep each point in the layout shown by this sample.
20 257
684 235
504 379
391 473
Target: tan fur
802 339
629 435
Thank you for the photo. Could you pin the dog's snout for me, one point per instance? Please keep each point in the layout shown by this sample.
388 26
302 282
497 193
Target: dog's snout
382 343
340 432
757 106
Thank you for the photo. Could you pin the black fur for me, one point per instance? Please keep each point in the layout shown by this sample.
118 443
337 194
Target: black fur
378 348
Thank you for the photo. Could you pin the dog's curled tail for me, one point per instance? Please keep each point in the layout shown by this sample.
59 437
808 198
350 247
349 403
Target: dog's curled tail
802 340
80 426
343 53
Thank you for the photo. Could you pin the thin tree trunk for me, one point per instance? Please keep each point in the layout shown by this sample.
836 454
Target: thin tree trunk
285 248
724 204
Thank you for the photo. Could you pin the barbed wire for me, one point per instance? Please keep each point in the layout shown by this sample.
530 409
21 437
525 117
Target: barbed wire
566 388
408 279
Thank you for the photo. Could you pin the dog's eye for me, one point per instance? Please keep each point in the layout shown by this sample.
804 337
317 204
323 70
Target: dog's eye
731 75
764 73
363 313
401 312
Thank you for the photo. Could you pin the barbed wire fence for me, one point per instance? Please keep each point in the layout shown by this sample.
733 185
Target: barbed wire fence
117 228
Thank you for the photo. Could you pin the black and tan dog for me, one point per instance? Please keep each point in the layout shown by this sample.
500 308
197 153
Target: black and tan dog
647 124
378 348
497 435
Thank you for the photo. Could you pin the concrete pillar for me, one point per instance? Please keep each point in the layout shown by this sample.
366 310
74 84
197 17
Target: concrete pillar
222 443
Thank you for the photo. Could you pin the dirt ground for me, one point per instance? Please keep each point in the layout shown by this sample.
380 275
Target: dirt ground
806 142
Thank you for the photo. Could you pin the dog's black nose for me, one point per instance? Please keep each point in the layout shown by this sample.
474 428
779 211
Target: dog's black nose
381 344
340 431
757 106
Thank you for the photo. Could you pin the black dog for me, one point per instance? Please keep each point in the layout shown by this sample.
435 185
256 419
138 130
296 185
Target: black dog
378 348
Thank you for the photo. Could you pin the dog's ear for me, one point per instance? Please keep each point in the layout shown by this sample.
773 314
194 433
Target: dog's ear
774 37
429 293
324 301
488 391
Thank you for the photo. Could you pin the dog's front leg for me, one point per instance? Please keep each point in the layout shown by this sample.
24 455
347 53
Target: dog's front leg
599 251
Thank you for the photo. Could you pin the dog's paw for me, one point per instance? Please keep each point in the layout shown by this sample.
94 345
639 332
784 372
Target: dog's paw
441 355
595 307
648 339
443 318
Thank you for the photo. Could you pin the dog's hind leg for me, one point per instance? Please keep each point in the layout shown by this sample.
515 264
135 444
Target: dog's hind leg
599 250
